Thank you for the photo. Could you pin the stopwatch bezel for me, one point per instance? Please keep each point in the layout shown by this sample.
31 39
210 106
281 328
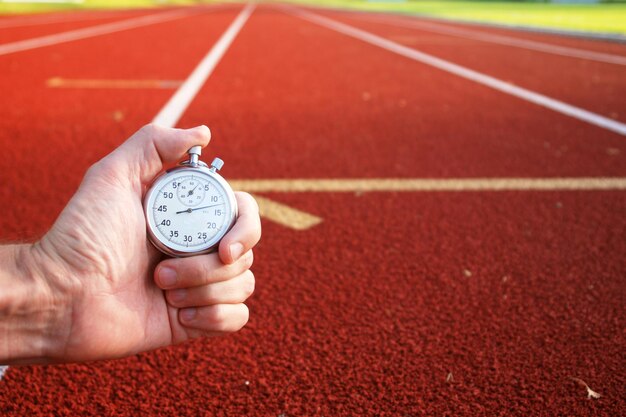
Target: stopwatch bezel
152 192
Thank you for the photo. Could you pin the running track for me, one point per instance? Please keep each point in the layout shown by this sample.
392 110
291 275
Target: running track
446 301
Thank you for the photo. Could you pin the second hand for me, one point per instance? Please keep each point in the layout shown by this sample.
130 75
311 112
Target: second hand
189 210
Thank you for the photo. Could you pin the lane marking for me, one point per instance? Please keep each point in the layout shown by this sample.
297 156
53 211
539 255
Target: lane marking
91 31
176 106
12 22
475 76
500 39
300 220
430 40
285 215
429 184
59 82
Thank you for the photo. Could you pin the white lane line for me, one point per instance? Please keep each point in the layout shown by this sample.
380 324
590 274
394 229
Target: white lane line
499 39
285 215
176 106
475 76
430 184
88 32
58 82
12 22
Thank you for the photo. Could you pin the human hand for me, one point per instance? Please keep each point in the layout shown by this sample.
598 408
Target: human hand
105 282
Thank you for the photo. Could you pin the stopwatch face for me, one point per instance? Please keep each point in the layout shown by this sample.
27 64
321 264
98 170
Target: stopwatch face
189 210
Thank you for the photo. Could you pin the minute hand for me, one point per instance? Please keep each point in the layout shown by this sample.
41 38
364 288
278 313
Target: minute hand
189 210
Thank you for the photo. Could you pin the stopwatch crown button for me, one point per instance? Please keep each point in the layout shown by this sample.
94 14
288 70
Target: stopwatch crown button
194 155
195 150
217 164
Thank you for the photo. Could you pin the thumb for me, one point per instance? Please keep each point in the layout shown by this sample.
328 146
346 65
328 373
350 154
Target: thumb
143 154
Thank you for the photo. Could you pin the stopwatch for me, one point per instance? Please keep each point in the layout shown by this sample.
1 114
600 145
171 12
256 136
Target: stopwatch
189 208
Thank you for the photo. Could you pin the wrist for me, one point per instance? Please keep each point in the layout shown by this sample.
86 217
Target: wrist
34 307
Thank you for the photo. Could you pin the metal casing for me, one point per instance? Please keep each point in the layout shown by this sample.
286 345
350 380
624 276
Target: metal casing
152 192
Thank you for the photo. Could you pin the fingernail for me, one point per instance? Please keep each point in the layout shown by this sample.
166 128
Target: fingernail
236 250
178 295
188 314
167 277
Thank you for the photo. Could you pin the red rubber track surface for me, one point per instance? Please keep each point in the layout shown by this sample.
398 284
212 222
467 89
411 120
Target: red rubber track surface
594 86
367 313
427 123
72 128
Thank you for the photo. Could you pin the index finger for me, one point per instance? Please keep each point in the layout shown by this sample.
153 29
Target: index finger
245 233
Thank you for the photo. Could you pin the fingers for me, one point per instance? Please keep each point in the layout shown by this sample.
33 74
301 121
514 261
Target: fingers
215 319
199 270
146 151
205 295
208 291
233 291
245 233
169 143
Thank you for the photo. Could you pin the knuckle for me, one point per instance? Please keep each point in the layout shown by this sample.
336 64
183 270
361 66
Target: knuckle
149 129
203 271
103 170
253 203
95 170
175 298
245 316
249 200
202 132
210 295
249 259
191 271
249 284
170 299
258 231
219 318
104 165
225 319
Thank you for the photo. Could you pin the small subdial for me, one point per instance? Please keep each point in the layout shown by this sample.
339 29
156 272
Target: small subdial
191 192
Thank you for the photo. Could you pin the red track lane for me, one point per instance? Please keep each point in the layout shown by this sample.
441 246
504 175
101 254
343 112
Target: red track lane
13 34
73 128
368 313
594 86
398 118
371 327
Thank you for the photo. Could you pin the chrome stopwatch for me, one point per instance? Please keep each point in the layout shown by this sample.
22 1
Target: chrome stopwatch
189 208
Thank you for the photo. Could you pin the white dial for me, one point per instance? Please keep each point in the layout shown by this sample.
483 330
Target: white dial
188 210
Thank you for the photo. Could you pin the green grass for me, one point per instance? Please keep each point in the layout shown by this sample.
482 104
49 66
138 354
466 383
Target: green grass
609 18
92 4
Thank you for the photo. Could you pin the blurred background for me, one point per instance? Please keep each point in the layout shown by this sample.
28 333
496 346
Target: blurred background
371 298
581 15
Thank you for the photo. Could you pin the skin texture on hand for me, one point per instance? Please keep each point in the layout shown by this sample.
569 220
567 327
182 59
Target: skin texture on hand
109 280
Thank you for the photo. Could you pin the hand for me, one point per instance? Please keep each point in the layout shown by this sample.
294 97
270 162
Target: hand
105 282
